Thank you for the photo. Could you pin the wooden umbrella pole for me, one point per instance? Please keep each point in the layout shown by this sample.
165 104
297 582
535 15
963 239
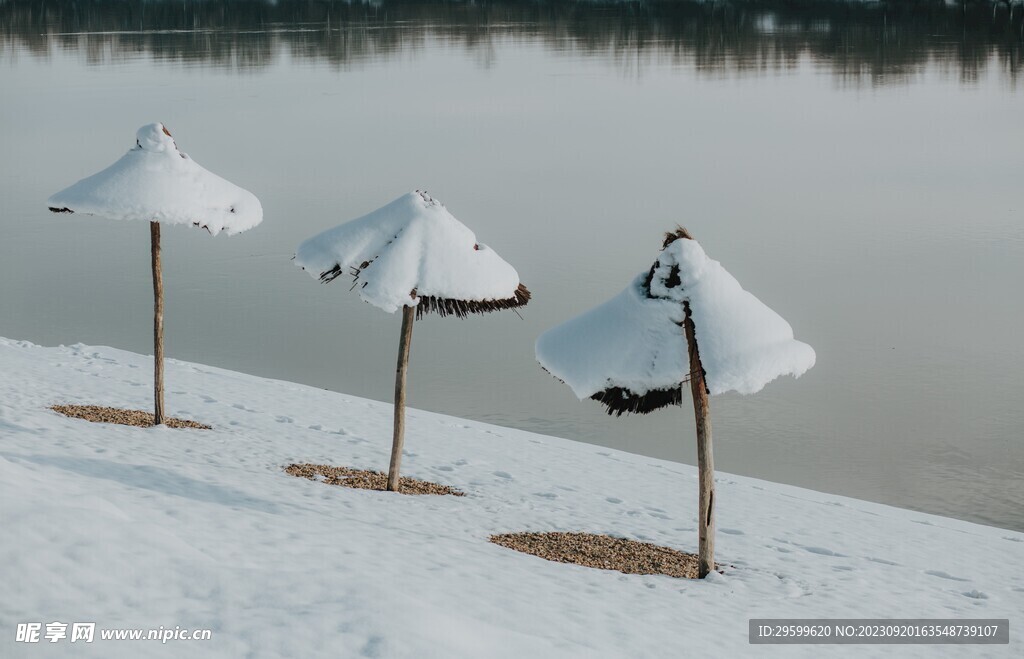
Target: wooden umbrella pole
404 341
158 325
705 458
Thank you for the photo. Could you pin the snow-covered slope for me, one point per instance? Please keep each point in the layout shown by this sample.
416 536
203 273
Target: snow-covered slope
155 181
146 528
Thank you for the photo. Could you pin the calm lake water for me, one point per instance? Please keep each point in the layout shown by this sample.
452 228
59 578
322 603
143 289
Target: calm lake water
858 168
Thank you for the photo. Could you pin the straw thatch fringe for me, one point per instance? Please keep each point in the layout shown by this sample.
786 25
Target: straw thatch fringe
195 224
672 236
621 401
442 306
327 276
673 279
462 308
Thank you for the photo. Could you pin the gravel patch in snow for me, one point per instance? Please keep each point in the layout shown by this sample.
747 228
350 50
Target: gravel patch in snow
603 552
98 414
363 479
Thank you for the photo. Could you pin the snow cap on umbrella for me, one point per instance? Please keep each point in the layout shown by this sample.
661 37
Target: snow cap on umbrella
630 353
155 181
413 252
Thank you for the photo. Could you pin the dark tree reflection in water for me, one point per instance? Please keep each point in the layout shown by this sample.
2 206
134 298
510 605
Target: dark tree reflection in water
861 43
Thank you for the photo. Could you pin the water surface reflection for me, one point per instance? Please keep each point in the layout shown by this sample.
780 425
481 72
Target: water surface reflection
860 43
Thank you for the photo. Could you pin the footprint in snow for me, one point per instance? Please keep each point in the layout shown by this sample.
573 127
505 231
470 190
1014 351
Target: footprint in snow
285 419
445 468
822 551
881 560
975 594
315 426
944 575
732 531
503 474
374 647
613 500
545 495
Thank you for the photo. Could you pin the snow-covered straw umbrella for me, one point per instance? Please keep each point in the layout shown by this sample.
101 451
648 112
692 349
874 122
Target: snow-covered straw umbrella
156 183
630 353
414 255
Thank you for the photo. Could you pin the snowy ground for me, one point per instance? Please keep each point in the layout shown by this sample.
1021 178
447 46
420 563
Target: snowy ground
145 528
